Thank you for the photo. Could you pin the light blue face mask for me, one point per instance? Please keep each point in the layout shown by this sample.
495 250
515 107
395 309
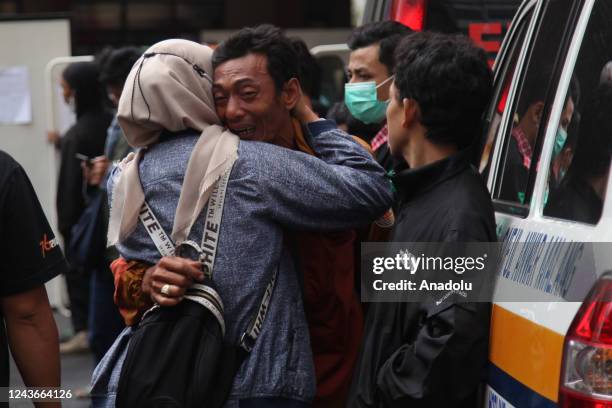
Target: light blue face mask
560 139
362 101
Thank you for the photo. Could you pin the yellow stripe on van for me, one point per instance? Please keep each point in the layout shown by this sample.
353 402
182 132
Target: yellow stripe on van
528 352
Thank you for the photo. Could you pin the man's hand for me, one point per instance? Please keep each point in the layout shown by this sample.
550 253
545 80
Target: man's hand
178 273
302 110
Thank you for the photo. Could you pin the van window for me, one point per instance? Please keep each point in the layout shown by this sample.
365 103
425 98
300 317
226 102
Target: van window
531 108
578 173
506 73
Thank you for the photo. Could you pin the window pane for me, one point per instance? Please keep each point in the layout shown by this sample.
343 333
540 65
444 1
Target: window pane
499 102
528 112
578 173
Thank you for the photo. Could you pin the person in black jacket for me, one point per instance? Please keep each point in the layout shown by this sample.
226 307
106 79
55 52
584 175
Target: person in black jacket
413 355
83 92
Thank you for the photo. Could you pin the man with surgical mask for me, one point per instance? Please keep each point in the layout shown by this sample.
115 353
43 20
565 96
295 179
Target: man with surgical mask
370 73
524 135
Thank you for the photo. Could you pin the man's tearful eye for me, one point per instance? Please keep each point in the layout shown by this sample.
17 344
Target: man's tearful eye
220 99
244 132
248 95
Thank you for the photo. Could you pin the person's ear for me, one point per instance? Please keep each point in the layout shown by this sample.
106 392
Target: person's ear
412 112
537 113
290 95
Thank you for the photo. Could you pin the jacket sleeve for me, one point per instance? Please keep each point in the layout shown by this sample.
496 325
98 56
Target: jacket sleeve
449 353
343 187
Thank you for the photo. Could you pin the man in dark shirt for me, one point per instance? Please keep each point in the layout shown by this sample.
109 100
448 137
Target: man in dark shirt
413 355
371 62
31 257
524 134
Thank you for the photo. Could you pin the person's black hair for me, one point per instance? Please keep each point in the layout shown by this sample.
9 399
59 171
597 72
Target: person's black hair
573 131
101 56
450 79
82 77
118 65
534 89
309 72
594 147
340 114
266 40
387 34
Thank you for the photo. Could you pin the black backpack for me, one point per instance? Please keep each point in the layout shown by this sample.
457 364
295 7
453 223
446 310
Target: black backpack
177 356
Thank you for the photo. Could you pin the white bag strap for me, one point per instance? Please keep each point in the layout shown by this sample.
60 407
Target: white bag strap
208 248
208 251
214 213
202 294
162 241
247 341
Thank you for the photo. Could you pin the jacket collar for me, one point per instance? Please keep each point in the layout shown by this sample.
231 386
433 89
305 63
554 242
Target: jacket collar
413 182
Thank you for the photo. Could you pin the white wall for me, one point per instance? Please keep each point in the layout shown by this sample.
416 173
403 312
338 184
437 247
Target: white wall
34 43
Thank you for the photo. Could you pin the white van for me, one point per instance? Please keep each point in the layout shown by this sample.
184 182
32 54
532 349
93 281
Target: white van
547 74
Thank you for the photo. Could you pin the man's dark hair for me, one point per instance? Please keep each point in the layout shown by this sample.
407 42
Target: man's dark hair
309 69
448 76
266 40
387 34
535 88
118 64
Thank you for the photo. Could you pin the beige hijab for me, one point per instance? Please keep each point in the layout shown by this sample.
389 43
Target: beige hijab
170 87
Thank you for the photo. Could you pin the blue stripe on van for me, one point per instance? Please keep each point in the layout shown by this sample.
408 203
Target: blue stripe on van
515 392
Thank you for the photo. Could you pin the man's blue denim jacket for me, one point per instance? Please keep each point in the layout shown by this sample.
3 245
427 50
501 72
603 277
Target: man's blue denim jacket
271 189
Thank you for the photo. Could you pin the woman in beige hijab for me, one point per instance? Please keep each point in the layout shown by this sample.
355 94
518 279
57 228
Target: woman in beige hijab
167 110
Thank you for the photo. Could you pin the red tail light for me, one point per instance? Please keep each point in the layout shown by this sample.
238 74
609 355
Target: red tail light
586 375
410 13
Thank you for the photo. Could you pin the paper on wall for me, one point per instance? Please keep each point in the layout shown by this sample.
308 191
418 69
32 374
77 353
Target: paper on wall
15 97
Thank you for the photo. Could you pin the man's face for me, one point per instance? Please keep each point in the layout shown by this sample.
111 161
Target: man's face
364 66
247 101
395 122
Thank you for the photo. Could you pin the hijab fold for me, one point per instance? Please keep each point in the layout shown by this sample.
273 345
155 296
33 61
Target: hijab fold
170 88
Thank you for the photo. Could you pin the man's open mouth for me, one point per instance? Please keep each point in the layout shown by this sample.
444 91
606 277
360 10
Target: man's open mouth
244 132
